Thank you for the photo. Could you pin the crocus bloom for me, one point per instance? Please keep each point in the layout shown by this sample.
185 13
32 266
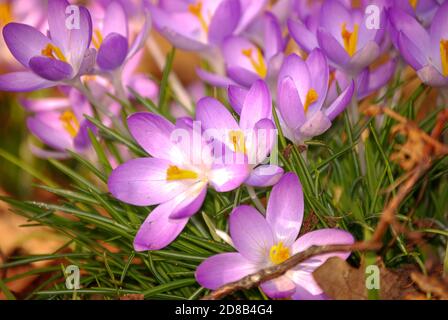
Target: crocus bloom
252 137
426 52
302 92
59 58
60 124
246 62
422 10
176 177
342 35
112 38
203 24
263 242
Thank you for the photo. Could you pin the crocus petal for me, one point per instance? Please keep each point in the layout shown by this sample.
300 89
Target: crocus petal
214 79
158 230
315 125
273 38
139 41
190 201
303 294
403 22
249 11
82 140
237 95
260 141
242 76
224 21
299 32
333 13
49 135
264 176
431 76
285 209
317 65
153 133
363 58
57 23
227 177
24 41
341 102
438 31
410 52
143 182
380 76
332 48
223 268
51 69
257 105
251 234
214 115
113 52
23 82
88 63
115 20
79 38
45 104
289 104
279 288
297 69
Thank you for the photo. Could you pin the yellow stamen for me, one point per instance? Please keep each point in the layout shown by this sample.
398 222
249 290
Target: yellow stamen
5 14
175 173
279 253
259 64
196 10
444 56
97 39
311 97
413 3
70 123
53 52
237 140
350 38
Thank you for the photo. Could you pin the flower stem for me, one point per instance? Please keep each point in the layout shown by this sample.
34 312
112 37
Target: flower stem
255 200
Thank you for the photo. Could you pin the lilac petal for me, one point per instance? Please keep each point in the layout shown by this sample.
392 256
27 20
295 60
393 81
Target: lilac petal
264 176
410 52
214 115
113 52
251 234
51 136
363 58
45 104
143 182
115 20
249 11
315 125
303 294
332 48
318 66
224 21
242 76
51 69
57 23
214 79
431 76
260 141
144 86
139 41
285 209
380 76
24 41
323 237
223 268
79 39
46 154
299 32
82 141
297 69
333 13
237 95
438 31
158 230
190 201
23 82
302 276
279 288
227 177
289 104
341 102
88 63
256 106
273 38
153 133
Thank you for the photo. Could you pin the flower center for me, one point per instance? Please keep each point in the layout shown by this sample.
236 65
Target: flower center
237 140
413 3
196 10
174 173
311 97
258 64
279 253
97 39
70 123
350 38
444 56
5 14
53 52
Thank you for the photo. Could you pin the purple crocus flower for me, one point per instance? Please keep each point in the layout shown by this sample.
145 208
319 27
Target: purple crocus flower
426 52
252 137
60 124
262 242
59 58
176 177
342 35
112 38
422 10
302 93
203 24
246 62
